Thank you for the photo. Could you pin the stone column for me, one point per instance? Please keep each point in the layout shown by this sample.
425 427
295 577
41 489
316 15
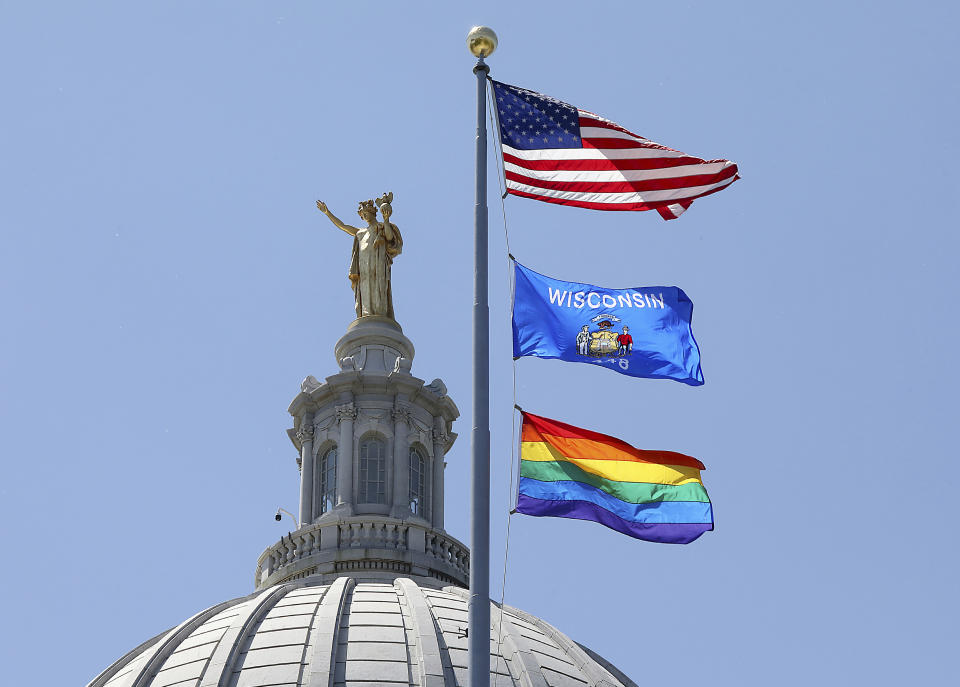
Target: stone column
401 461
346 414
440 439
305 437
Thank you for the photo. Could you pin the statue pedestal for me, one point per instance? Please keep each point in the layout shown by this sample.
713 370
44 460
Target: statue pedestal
374 344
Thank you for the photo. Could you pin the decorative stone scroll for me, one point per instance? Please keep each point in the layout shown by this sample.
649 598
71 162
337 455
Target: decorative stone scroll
310 384
438 387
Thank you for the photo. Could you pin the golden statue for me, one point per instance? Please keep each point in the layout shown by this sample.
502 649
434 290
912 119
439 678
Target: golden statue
374 248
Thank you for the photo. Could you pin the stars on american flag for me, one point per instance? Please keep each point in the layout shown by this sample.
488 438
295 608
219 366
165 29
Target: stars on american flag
530 120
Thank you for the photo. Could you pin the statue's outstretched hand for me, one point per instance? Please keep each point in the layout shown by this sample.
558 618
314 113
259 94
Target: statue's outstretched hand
322 206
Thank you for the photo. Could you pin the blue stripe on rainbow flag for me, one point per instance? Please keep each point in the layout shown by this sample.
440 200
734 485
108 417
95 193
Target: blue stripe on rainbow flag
661 532
654 512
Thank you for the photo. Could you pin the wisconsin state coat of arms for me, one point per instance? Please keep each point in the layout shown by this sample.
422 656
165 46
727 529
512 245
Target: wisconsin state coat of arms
605 340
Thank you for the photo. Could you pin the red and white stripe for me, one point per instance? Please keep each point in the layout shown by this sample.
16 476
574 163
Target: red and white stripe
614 170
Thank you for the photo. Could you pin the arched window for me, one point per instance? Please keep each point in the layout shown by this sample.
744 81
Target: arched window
419 479
327 498
373 471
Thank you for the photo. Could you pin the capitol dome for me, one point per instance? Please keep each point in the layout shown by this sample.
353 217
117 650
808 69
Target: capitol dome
351 632
369 589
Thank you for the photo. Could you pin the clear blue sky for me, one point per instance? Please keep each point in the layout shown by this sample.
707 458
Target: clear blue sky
166 282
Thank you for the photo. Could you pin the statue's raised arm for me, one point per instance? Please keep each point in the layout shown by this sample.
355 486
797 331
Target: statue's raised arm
336 220
374 248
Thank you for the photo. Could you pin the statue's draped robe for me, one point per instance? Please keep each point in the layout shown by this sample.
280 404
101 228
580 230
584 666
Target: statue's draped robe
370 264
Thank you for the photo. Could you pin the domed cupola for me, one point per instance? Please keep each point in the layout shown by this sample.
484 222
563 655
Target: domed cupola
371 441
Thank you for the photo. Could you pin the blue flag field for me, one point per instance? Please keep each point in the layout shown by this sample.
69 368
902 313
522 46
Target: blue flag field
642 332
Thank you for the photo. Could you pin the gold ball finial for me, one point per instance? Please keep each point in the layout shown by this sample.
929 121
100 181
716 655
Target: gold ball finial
482 41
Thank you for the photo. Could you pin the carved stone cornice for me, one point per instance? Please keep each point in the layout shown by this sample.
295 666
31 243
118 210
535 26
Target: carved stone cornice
347 411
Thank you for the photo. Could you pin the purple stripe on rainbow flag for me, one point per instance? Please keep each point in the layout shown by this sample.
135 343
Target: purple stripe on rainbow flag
666 533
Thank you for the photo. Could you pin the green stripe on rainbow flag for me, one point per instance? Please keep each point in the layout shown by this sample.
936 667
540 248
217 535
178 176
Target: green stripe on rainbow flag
631 492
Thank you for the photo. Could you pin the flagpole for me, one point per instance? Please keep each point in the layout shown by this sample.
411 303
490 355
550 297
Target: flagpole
482 41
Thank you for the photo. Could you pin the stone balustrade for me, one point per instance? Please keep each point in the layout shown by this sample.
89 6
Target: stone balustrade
365 543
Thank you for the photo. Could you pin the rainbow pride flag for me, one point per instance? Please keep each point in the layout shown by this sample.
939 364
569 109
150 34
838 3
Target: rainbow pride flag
569 472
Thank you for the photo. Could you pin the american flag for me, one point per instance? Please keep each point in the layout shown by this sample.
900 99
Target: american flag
558 153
